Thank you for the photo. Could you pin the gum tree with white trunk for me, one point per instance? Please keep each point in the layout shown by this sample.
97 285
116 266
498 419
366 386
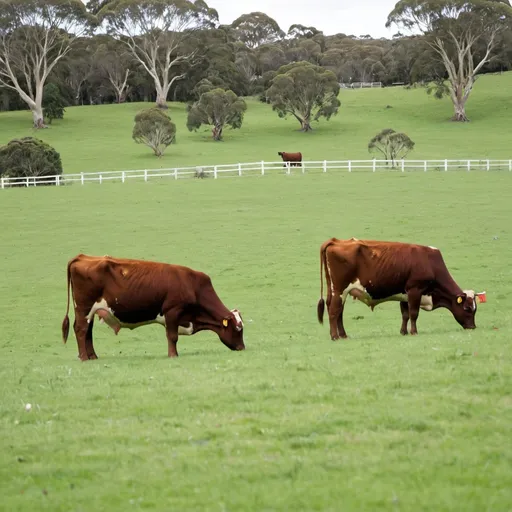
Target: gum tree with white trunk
34 36
463 34
157 32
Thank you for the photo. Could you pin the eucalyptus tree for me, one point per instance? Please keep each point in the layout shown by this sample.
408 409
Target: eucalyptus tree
217 108
257 28
462 33
34 36
157 33
305 91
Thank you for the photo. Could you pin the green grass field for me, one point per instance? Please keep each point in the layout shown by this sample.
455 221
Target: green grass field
296 422
99 138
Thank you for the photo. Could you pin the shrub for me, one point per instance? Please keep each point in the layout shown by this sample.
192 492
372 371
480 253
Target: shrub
392 145
29 157
53 103
154 129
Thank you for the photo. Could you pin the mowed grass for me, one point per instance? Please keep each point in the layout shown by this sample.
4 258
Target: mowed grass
295 422
98 138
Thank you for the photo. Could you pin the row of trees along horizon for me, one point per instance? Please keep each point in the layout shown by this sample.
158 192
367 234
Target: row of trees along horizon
109 51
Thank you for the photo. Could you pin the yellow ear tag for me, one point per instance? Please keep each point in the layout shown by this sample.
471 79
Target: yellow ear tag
459 300
225 322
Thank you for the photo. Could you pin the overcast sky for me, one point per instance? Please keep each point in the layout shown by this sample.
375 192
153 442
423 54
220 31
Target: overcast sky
357 17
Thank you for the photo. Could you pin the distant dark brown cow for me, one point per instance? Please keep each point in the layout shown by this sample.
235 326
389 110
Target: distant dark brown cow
295 159
375 272
127 293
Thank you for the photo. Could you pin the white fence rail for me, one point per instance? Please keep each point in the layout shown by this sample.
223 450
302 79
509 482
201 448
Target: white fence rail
360 85
259 169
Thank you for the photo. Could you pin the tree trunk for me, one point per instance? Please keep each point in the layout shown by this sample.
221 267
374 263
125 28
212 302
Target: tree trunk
37 115
459 106
161 95
306 126
217 132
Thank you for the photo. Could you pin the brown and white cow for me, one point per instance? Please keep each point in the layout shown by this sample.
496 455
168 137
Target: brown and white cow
375 272
295 159
129 293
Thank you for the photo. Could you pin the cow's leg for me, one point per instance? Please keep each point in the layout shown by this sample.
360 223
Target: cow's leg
404 308
81 328
171 330
414 299
335 308
89 347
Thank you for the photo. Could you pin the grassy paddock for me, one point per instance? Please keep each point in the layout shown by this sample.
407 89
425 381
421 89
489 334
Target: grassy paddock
296 422
98 138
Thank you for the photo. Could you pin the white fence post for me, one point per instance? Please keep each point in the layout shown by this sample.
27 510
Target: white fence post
446 165
2 182
101 179
262 168
403 165
175 174
122 176
287 167
325 165
239 169
509 166
303 168
215 171
373 166
469 165
82 178
145 175
425 167
349 166
487 165
27 181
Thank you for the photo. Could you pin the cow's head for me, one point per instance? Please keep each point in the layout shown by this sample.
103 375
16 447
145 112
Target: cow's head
232 331
280 153
464 308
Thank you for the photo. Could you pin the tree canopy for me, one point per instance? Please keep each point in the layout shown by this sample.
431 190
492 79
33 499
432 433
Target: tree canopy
29 156
217 108
257 28
391 145
305 91
154 129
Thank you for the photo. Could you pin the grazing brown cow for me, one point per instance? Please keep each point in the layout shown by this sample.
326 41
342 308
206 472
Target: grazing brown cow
127 293
295 159
375 272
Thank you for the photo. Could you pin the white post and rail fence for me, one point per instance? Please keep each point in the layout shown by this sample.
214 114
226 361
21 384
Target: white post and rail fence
260 169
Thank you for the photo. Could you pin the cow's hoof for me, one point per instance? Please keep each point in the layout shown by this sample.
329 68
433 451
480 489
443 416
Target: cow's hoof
404 333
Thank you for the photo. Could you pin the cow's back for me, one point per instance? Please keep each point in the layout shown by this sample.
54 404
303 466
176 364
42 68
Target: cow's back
126 282
383 268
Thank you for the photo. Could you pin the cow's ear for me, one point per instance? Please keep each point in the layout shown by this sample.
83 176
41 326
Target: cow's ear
225 322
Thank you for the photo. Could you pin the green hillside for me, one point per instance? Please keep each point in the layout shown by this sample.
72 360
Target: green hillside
93 138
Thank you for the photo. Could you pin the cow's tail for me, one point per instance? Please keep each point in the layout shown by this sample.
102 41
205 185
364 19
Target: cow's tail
323 265
65 322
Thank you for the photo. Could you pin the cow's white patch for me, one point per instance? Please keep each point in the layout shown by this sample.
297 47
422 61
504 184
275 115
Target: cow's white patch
432 247
472 294
238 318
187 331
111 320
101 304
359 292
